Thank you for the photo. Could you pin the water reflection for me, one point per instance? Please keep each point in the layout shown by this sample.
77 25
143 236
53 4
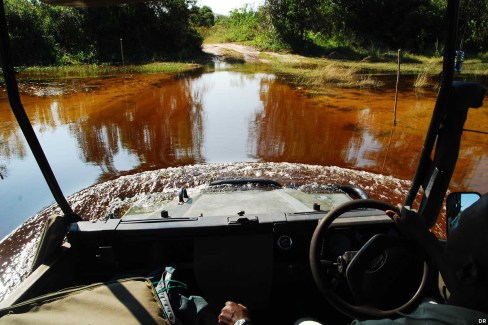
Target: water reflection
345 128
104 128
230 102
158 128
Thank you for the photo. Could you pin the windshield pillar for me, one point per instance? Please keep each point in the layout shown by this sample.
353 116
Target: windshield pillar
23 120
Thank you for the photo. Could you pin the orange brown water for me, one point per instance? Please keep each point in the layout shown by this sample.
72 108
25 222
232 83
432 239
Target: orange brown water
354 129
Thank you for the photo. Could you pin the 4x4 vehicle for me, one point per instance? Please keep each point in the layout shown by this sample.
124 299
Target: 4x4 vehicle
249 240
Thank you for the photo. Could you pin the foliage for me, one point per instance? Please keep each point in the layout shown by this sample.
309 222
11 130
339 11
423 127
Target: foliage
173 29
246 25
203 16
42 34
484 57
473 25
26 29
293 19
243 24
413 25
317 26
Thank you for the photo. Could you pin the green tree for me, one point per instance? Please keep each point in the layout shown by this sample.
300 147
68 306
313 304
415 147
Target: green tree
28 40
473 25
202 16
174 27
243 24
414 24
149 31
65 28
292 20
42 34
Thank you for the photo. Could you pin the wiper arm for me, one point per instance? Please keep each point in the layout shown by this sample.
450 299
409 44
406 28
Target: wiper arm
159 220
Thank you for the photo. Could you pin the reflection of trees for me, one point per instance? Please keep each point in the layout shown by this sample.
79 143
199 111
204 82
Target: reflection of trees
472 166
3 172
44 118
352 129
12 143
162 127
40 113
291 128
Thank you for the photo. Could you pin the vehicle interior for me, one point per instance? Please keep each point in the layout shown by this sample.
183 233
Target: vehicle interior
333 254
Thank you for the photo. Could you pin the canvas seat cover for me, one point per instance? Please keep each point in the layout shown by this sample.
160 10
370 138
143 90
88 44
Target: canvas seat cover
131 301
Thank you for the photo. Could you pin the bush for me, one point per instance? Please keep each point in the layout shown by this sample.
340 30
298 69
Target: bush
45 35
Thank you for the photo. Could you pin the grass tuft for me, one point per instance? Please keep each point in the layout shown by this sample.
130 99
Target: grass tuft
317 75
422 80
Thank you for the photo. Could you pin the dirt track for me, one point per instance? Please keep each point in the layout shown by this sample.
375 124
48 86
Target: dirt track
249 53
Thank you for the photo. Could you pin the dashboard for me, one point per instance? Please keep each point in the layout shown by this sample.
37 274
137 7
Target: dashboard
255 257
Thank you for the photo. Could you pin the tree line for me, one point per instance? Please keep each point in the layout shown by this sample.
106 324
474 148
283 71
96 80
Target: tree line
166 29
416 25
173 29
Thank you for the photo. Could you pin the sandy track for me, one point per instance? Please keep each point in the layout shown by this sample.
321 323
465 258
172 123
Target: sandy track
249 53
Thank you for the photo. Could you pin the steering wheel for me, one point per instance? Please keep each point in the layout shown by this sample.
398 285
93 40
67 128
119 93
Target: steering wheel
371 259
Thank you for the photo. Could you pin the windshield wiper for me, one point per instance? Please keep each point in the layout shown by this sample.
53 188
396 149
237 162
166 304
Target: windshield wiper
158 220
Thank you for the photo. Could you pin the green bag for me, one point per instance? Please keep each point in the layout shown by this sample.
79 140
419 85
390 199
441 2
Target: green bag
129 301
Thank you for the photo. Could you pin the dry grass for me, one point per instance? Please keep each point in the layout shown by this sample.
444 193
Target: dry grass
422 80
316 77
332 73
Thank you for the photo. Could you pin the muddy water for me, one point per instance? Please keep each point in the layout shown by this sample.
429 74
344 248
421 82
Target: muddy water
244 124
354 129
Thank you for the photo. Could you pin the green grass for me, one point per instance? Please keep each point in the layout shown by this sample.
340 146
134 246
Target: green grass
316 73
412 64
93 70
476 66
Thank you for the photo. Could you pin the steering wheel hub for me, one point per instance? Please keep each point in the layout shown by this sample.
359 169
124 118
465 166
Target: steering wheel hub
378 262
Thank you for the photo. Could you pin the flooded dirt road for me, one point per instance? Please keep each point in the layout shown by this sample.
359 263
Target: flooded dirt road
200 127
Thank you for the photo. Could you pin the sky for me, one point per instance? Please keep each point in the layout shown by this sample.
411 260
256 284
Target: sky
224 6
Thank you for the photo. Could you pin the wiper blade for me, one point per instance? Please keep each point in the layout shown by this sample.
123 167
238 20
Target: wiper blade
158 220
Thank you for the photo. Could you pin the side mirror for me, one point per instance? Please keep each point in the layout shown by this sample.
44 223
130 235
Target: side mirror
456 203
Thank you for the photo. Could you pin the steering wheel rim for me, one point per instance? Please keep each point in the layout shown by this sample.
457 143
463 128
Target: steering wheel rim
325 288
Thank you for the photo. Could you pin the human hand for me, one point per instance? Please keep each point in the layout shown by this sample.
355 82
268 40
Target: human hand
410 223
232 312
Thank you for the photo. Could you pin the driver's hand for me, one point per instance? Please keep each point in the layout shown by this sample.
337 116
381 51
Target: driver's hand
410 223
232 312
